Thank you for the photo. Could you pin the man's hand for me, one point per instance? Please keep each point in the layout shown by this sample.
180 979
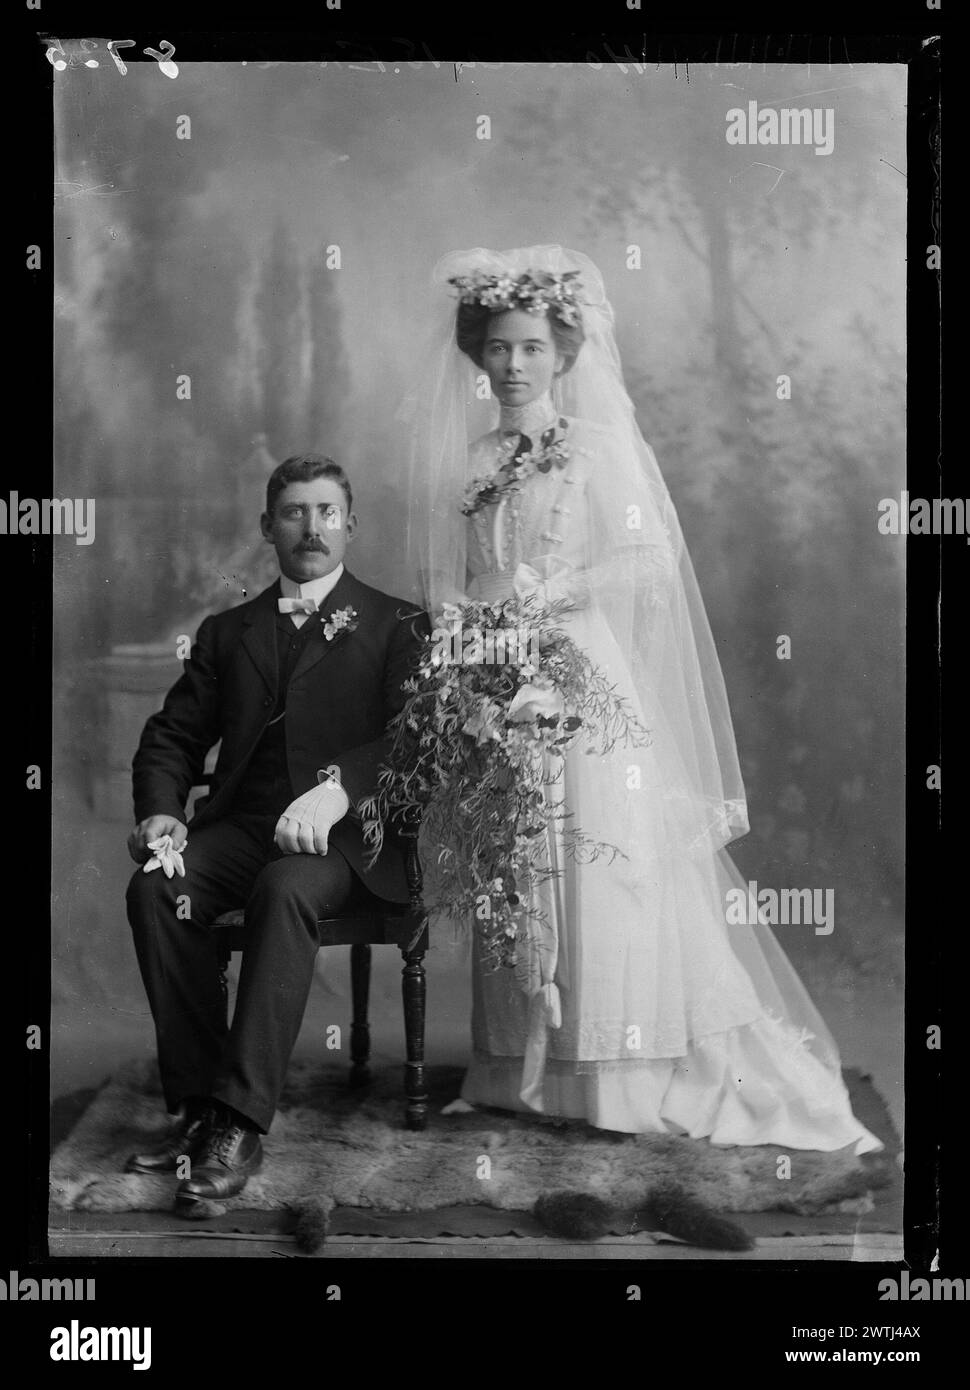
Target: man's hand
305 825
152 829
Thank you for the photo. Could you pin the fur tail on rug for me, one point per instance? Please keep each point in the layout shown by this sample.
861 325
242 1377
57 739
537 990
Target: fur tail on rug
671 1210
312 1223
573 1215
583 1216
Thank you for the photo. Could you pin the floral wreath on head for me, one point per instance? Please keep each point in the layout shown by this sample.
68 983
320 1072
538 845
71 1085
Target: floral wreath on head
535 292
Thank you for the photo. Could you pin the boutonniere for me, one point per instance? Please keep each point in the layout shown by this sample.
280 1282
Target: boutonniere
551 449
343 620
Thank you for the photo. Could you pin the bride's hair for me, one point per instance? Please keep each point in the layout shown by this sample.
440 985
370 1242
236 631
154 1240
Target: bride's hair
471 328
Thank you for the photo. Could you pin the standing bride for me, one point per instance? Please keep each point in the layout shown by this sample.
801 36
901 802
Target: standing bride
638 1004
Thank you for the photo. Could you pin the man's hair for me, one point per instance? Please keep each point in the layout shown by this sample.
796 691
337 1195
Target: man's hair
303 468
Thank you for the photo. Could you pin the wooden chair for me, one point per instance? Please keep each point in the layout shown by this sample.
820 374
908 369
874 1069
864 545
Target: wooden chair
372 922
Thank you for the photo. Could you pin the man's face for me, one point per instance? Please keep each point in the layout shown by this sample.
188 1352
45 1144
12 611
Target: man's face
520 356
309 529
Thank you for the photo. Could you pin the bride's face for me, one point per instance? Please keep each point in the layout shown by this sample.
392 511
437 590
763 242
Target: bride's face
520 356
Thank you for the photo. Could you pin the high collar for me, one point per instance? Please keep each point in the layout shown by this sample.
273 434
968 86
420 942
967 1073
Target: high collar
530 419
317 589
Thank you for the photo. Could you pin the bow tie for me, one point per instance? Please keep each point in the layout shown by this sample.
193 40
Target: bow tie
297 605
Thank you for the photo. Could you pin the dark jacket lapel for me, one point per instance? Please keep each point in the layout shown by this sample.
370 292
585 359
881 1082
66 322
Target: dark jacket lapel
259 635
342 595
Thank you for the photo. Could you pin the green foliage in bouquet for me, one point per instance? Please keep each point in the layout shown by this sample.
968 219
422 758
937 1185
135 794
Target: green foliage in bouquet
500 693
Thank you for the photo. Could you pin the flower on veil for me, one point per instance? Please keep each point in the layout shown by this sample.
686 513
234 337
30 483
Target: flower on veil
536 292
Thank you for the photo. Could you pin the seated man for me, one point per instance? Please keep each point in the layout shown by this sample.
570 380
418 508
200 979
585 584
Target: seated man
301 680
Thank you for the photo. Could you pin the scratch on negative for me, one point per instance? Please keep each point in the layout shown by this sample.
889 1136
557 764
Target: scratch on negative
80 188
760 164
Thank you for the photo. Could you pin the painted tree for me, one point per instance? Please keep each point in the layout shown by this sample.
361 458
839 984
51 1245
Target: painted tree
279 327
654 167
329 374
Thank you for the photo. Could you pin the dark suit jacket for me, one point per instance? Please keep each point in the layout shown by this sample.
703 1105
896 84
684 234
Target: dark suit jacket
341 696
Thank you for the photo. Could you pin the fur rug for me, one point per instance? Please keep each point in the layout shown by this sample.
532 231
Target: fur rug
332 1146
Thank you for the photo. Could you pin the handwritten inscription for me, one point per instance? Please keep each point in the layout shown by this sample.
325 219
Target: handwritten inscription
60 57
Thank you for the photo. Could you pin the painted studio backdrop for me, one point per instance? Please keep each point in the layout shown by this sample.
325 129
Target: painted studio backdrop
243 262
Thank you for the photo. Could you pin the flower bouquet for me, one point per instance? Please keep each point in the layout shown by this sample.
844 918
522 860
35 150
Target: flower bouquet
501 692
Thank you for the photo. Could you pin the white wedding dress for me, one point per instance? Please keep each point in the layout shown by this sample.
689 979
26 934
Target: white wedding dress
645 1011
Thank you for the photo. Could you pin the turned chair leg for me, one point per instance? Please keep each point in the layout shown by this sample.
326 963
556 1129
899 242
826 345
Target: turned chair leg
360 957
414 989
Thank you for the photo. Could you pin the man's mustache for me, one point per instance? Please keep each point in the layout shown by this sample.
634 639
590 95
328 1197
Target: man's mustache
310 546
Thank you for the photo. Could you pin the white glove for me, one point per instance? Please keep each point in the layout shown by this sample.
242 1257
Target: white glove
165 857
305 825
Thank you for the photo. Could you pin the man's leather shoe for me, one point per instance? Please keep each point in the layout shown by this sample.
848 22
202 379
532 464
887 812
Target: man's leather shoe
225 1164
186 1140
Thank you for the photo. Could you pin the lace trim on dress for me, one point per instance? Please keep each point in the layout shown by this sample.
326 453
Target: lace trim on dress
499 1066
793 1040
793 1043
729 820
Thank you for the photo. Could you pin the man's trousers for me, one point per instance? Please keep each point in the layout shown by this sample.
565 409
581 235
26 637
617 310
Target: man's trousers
230 864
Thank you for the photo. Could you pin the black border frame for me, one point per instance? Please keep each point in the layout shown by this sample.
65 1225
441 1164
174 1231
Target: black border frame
756 1301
